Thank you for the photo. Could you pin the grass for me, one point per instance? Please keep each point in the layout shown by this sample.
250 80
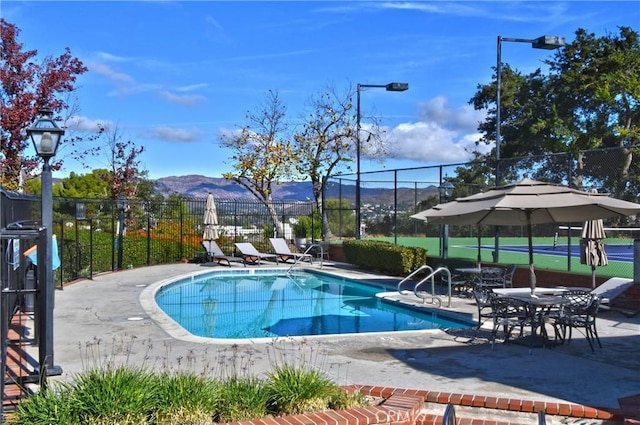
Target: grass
110 393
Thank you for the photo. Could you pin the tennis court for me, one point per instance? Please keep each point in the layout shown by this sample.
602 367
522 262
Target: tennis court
514 250
614 252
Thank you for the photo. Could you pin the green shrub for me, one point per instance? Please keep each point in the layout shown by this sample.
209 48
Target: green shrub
117 395
241 399
109 394
186 398
384 256
46 407
294 389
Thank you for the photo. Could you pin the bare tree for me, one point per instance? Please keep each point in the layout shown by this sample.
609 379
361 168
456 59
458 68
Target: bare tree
328 140
263 153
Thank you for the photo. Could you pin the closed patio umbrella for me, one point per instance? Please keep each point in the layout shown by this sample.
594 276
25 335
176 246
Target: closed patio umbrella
210 220
592 247
528 202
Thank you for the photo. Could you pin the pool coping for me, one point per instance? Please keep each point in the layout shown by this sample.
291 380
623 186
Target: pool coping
175 330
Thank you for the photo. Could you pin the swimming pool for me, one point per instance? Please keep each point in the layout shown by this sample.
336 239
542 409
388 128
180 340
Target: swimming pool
272 303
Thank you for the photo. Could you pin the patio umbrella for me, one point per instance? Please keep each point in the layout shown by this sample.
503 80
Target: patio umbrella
592 247
528 202
210 220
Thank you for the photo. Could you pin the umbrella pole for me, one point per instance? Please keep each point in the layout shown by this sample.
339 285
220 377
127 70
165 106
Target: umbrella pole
532 275
479 245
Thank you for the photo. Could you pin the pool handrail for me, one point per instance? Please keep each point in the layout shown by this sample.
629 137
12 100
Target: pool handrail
413 273
430 277
298 259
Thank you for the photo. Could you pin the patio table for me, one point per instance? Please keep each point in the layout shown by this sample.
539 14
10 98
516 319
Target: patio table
526 291
539 309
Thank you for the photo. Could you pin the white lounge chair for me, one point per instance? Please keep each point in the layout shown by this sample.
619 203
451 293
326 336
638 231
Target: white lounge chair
284 253
250 255
215 254
611 289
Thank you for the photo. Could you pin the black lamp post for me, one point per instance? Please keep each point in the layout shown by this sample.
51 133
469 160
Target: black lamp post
387 87
446 191
122 208
46 137
545 42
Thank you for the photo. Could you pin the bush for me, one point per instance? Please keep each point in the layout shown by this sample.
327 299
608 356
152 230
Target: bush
384 257
109 394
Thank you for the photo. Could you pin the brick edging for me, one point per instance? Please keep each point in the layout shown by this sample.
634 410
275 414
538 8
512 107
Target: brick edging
403 407
500 403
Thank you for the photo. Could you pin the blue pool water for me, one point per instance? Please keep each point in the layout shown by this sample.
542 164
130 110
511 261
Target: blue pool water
271 303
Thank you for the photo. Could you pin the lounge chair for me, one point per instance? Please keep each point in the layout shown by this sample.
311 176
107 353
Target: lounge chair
215 254
284 253
611 289
250 255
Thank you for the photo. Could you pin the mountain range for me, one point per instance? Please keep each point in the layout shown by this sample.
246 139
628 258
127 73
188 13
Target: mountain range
198 186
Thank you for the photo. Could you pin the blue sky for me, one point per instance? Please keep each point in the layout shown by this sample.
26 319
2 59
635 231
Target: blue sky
173 75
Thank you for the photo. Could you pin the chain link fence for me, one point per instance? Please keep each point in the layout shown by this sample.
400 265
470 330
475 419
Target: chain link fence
390 197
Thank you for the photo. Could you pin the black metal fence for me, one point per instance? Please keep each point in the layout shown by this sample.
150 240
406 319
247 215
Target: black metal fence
90 240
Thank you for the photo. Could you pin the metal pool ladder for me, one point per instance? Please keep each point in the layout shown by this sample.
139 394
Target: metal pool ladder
429 278
309 248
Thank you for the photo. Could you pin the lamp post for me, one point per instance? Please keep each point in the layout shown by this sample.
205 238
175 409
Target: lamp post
545 42
46 136
387 87
446 191
122 208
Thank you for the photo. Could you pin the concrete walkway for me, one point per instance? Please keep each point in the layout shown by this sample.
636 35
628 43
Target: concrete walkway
109 319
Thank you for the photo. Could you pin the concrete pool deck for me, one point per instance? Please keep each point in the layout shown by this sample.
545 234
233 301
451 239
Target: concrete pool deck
104 318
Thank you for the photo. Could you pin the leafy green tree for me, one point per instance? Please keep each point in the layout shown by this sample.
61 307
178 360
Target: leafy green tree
590 99
263 153
91 185
340 216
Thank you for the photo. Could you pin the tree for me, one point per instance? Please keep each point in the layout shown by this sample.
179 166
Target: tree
589 100
124 165
92 185
27 86
262 153
328 140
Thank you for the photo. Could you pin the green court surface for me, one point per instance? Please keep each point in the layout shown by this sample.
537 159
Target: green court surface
544 256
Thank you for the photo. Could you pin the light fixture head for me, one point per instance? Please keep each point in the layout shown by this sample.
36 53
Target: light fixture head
45 134
397 86
548 42
446 190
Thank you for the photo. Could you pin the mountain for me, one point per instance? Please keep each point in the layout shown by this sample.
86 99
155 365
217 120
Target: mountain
197 186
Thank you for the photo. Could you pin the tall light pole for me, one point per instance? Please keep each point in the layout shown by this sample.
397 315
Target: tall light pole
446 191
122 208
387 87
545 42
46 137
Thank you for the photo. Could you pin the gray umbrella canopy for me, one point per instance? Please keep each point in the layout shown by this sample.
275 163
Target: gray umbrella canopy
528 202
592 247
210 220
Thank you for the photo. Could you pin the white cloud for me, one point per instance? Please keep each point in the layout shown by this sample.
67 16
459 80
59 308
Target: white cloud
81 123
441 135
124 82
171 134
188 100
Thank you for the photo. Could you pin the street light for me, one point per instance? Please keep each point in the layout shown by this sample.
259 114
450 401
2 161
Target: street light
46 136
446 191
388 87
545 42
